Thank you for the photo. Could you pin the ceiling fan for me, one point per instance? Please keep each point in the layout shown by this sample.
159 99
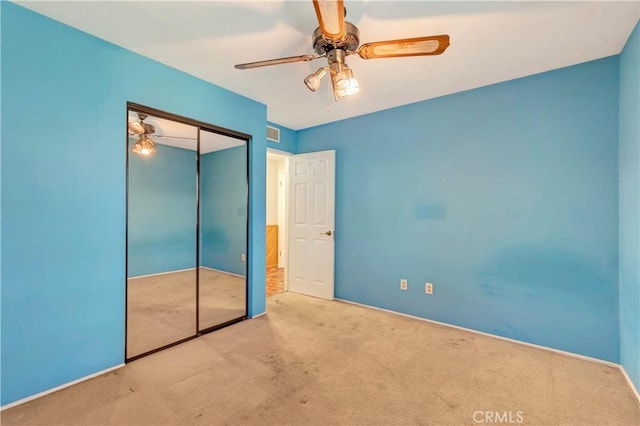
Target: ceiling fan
335 39
145 146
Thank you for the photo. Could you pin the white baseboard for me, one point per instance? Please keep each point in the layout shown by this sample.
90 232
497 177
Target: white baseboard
259 315
223 272
57 388
161 273
631 385
519 342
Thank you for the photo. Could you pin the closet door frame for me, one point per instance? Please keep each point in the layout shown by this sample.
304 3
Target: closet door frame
200 125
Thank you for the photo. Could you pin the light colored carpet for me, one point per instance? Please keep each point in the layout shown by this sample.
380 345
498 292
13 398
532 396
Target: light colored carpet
222 297
162 308
315 362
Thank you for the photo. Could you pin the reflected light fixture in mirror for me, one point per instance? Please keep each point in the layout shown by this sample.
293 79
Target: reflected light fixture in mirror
145 147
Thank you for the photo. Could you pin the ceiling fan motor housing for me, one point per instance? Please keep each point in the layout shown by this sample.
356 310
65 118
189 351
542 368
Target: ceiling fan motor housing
348 43
148 128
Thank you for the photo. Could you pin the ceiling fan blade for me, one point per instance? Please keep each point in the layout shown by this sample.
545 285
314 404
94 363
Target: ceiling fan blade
330 15
418 46
173 137
135 128
289 59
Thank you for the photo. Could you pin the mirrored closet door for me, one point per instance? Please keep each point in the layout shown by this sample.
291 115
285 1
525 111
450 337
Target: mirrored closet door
187 198
223 228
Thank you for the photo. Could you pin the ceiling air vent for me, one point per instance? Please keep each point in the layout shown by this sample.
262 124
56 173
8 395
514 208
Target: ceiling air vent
273 134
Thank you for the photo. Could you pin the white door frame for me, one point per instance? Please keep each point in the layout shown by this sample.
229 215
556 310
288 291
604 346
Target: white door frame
284 155
282 198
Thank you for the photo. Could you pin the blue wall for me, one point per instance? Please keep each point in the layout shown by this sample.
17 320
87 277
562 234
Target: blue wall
223 219
64 97
630 207
162 211
288 139
505 197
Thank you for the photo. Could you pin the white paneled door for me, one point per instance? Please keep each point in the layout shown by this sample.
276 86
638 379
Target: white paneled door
311 223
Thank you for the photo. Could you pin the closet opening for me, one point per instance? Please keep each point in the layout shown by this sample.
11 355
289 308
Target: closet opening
187 229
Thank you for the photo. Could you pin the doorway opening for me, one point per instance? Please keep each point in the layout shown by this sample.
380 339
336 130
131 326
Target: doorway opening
300 207
276 232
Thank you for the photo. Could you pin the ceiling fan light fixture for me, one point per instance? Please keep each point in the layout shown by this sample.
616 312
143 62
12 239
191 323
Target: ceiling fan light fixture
341 74
144 147
312 81
343 81
352 88
343 78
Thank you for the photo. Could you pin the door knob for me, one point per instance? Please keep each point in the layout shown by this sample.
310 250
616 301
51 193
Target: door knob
328 233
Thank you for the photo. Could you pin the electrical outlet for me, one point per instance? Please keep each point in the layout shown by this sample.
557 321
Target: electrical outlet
403 284
428 288
243 257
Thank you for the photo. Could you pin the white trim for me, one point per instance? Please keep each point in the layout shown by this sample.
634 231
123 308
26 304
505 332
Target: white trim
520 342
223 272
631 385
278 152
259 315
57 388
286 156
161 273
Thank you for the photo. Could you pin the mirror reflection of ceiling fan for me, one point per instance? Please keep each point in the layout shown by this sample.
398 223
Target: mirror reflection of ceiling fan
335 39
145 146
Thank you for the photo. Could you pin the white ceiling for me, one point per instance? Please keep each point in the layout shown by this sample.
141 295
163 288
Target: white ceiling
186 136
490 42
